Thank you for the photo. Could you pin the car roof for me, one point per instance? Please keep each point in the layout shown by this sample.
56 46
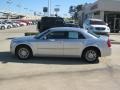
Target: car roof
50 17
67 29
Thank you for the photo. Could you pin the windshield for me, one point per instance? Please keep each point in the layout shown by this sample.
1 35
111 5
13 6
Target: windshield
97 22
41 34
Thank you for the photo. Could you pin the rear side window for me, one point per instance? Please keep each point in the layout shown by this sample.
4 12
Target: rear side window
75 35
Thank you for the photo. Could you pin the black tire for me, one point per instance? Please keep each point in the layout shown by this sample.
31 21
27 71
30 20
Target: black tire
8 27
116 31
2 28
90 55
21 51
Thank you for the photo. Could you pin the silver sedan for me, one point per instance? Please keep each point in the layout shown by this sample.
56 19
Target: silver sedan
62 42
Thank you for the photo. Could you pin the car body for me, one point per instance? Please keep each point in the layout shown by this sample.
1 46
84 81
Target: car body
21 23
97 26
8 25
62 42
13 24
28 22
51 22
4 25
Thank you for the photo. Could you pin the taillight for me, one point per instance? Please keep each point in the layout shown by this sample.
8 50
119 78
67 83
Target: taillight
109 43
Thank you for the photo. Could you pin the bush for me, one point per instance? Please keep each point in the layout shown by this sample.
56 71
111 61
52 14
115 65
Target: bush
30 34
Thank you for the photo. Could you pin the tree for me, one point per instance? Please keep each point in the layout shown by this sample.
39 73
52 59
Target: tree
72 10
79 7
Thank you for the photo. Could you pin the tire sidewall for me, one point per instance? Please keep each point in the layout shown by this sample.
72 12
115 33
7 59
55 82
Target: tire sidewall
29 56
89 61
2 28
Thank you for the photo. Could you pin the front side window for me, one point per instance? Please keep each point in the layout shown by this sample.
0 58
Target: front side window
57 35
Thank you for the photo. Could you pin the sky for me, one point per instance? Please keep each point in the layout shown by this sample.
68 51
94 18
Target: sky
19 6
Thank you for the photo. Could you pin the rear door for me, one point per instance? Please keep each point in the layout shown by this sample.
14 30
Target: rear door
74 45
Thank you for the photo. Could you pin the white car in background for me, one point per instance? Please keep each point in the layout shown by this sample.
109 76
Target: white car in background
62 42
13 24
2 26
97 26
5 25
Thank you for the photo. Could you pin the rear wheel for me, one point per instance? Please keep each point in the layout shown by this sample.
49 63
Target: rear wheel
117 31
8 27
90 55
23 52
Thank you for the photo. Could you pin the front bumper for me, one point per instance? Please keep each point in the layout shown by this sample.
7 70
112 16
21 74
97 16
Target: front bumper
12 48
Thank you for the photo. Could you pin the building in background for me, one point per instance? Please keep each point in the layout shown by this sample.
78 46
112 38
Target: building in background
107 10
4 15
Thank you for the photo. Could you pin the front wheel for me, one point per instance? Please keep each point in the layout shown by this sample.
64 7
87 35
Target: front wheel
90 55
23 53
8 27
2 28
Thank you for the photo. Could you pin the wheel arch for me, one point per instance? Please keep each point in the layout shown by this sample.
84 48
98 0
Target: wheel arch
24 45
92 47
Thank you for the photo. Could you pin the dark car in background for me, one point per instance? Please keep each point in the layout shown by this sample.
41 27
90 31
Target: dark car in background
50 22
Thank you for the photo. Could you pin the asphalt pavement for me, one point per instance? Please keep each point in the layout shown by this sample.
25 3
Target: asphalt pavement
41 73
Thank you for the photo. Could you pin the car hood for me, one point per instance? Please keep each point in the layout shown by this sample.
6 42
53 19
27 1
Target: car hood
24 39
104 26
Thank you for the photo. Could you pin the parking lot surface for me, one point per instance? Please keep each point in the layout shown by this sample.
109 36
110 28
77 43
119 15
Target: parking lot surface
43 73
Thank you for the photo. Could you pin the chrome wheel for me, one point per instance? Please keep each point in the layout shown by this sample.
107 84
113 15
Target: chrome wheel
91 55
23 53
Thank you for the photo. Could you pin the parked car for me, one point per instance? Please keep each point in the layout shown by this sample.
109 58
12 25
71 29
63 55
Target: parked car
5 25
13 24
34 22
51 22
62 42
97 26
28 22
21 23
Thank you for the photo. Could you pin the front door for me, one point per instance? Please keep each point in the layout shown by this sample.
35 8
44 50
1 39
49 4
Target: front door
52 44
